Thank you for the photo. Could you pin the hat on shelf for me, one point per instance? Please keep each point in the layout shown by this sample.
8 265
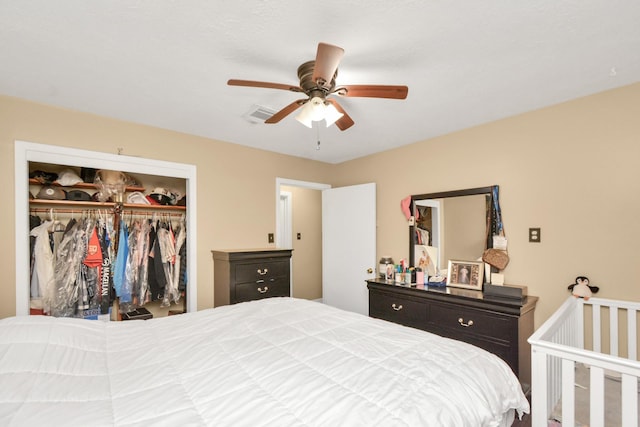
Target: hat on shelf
151 200
43 177
138 198
79 196
67 177
49 192
162 196
87 174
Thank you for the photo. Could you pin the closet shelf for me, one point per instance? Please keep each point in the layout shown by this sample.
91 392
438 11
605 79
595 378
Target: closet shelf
153 207
69 203
85 185
108 205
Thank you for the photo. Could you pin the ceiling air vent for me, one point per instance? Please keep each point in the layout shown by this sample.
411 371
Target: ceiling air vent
258 114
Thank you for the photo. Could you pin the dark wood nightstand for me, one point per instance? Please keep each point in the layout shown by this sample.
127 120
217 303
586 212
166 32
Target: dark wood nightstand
246 275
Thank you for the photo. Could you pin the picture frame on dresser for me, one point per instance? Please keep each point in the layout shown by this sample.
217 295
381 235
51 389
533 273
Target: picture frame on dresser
465 274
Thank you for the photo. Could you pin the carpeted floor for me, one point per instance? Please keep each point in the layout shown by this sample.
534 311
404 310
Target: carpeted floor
612 405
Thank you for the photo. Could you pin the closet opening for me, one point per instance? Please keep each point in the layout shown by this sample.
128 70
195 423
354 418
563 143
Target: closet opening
137 194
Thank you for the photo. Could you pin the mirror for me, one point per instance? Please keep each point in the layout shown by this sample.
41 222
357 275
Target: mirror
451 225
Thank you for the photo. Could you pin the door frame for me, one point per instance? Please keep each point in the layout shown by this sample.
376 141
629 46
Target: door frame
284 238
292 183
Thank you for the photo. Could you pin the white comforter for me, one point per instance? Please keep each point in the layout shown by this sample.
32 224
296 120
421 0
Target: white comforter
275 362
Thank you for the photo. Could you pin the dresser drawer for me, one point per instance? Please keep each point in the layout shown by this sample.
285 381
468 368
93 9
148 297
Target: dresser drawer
397 309
262 270
462 321
269 288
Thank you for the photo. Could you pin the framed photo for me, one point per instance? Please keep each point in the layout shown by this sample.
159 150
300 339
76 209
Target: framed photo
465 274
426 257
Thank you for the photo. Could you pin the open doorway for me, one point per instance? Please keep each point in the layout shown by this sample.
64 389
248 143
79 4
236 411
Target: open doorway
299 227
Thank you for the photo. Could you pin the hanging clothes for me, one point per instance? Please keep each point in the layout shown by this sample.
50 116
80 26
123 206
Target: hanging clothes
141 284
132 270
34 221
183 279
104 235
43 278
92 266
168 256
69 254
119 273
156 277
180 261
76 272
84 279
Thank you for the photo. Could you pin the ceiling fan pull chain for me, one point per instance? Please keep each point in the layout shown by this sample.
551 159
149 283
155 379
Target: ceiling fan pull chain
318 137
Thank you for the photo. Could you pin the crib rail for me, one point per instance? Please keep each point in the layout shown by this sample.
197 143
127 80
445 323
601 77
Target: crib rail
559 344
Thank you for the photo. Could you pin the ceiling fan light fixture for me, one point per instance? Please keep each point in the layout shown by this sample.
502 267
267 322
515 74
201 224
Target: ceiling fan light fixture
317 109
331 114
305 116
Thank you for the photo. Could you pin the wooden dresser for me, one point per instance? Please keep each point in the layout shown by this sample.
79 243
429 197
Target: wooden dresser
246 275
496 325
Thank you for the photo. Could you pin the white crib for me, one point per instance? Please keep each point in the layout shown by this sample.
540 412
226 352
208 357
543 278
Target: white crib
571 338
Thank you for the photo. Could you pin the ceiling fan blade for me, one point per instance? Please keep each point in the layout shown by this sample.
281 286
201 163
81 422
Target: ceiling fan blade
327 59
285 111
344 122
268 85
373 91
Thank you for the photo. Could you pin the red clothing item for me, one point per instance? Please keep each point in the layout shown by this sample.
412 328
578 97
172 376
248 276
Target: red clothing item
94 252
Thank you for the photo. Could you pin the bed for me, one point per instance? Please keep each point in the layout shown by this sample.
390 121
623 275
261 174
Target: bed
272 362
577 379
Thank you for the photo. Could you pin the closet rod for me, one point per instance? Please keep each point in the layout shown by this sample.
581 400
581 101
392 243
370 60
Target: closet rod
124 211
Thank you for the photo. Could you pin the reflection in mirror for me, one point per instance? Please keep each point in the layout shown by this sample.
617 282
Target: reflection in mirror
450 226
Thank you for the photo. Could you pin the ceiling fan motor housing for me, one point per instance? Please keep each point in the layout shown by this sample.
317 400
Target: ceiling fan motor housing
305 74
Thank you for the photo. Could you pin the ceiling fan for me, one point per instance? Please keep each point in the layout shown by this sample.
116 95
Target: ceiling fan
318 83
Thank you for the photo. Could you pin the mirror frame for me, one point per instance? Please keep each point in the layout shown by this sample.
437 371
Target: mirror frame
491 212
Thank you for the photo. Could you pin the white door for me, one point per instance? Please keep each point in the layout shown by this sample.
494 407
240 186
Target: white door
348 246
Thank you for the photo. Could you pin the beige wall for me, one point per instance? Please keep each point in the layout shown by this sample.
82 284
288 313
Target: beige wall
236 185
307 252
571 169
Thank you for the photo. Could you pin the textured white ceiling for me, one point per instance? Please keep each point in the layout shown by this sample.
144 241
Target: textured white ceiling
165 63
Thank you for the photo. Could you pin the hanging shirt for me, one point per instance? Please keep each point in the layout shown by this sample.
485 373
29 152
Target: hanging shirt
156 277
93 262
121 263
105 271
94 251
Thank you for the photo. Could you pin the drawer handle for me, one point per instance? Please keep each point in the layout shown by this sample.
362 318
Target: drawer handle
466 325
259 281
263 272
263 290
396 307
